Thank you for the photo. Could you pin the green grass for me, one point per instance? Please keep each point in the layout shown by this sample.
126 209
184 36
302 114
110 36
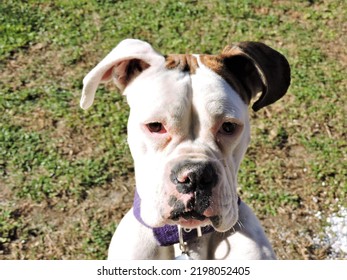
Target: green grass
67 174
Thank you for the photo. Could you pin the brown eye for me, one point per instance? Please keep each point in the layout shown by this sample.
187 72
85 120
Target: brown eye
228 128
156 127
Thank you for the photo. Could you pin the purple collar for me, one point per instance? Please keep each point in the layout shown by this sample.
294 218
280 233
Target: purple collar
168 235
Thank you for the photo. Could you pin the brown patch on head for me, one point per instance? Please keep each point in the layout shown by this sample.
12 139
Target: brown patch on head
250 68
217 64
183 62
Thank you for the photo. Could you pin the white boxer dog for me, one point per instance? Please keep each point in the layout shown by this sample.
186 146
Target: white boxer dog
188 131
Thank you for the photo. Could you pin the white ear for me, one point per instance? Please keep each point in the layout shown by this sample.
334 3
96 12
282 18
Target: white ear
128 59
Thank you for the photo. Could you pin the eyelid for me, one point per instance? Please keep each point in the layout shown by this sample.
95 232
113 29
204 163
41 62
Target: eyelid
156 127
238 127
228 128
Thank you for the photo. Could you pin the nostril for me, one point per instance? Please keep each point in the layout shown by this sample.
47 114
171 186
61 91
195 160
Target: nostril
183 179
184 182
186 186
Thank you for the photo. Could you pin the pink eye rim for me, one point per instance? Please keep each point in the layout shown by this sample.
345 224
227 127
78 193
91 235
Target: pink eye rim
156 127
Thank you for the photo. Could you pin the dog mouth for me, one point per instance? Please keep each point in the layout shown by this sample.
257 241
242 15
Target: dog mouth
192 214
188 215
192 219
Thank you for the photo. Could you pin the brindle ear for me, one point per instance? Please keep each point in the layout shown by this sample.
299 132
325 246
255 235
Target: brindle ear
123 64
259 68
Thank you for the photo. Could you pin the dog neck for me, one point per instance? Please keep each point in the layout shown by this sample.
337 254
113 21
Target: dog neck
168 234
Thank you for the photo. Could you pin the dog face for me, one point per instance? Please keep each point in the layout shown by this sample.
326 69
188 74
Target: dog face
187 134
188 127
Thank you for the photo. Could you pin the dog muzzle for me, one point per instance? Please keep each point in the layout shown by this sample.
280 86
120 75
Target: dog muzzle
171 234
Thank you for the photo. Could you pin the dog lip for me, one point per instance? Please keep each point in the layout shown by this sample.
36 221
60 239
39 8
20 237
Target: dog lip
192 223
188 215
216 221
189 219
193 215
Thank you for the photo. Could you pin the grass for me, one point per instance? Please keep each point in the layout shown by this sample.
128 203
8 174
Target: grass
66 176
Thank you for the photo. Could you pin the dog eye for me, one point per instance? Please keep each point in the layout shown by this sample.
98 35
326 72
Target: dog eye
156 127
228 128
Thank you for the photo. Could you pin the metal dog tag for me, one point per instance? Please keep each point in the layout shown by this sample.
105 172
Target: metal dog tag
182 257
183 246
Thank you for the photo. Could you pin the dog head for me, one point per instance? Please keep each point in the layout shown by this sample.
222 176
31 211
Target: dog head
188 128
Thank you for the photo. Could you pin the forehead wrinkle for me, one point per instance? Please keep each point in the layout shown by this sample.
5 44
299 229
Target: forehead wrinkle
223 107
165 98
215 97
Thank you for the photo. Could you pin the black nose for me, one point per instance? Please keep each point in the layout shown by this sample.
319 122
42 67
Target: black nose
191 176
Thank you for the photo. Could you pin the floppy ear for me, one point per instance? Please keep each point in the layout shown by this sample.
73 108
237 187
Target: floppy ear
124 63
259 68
